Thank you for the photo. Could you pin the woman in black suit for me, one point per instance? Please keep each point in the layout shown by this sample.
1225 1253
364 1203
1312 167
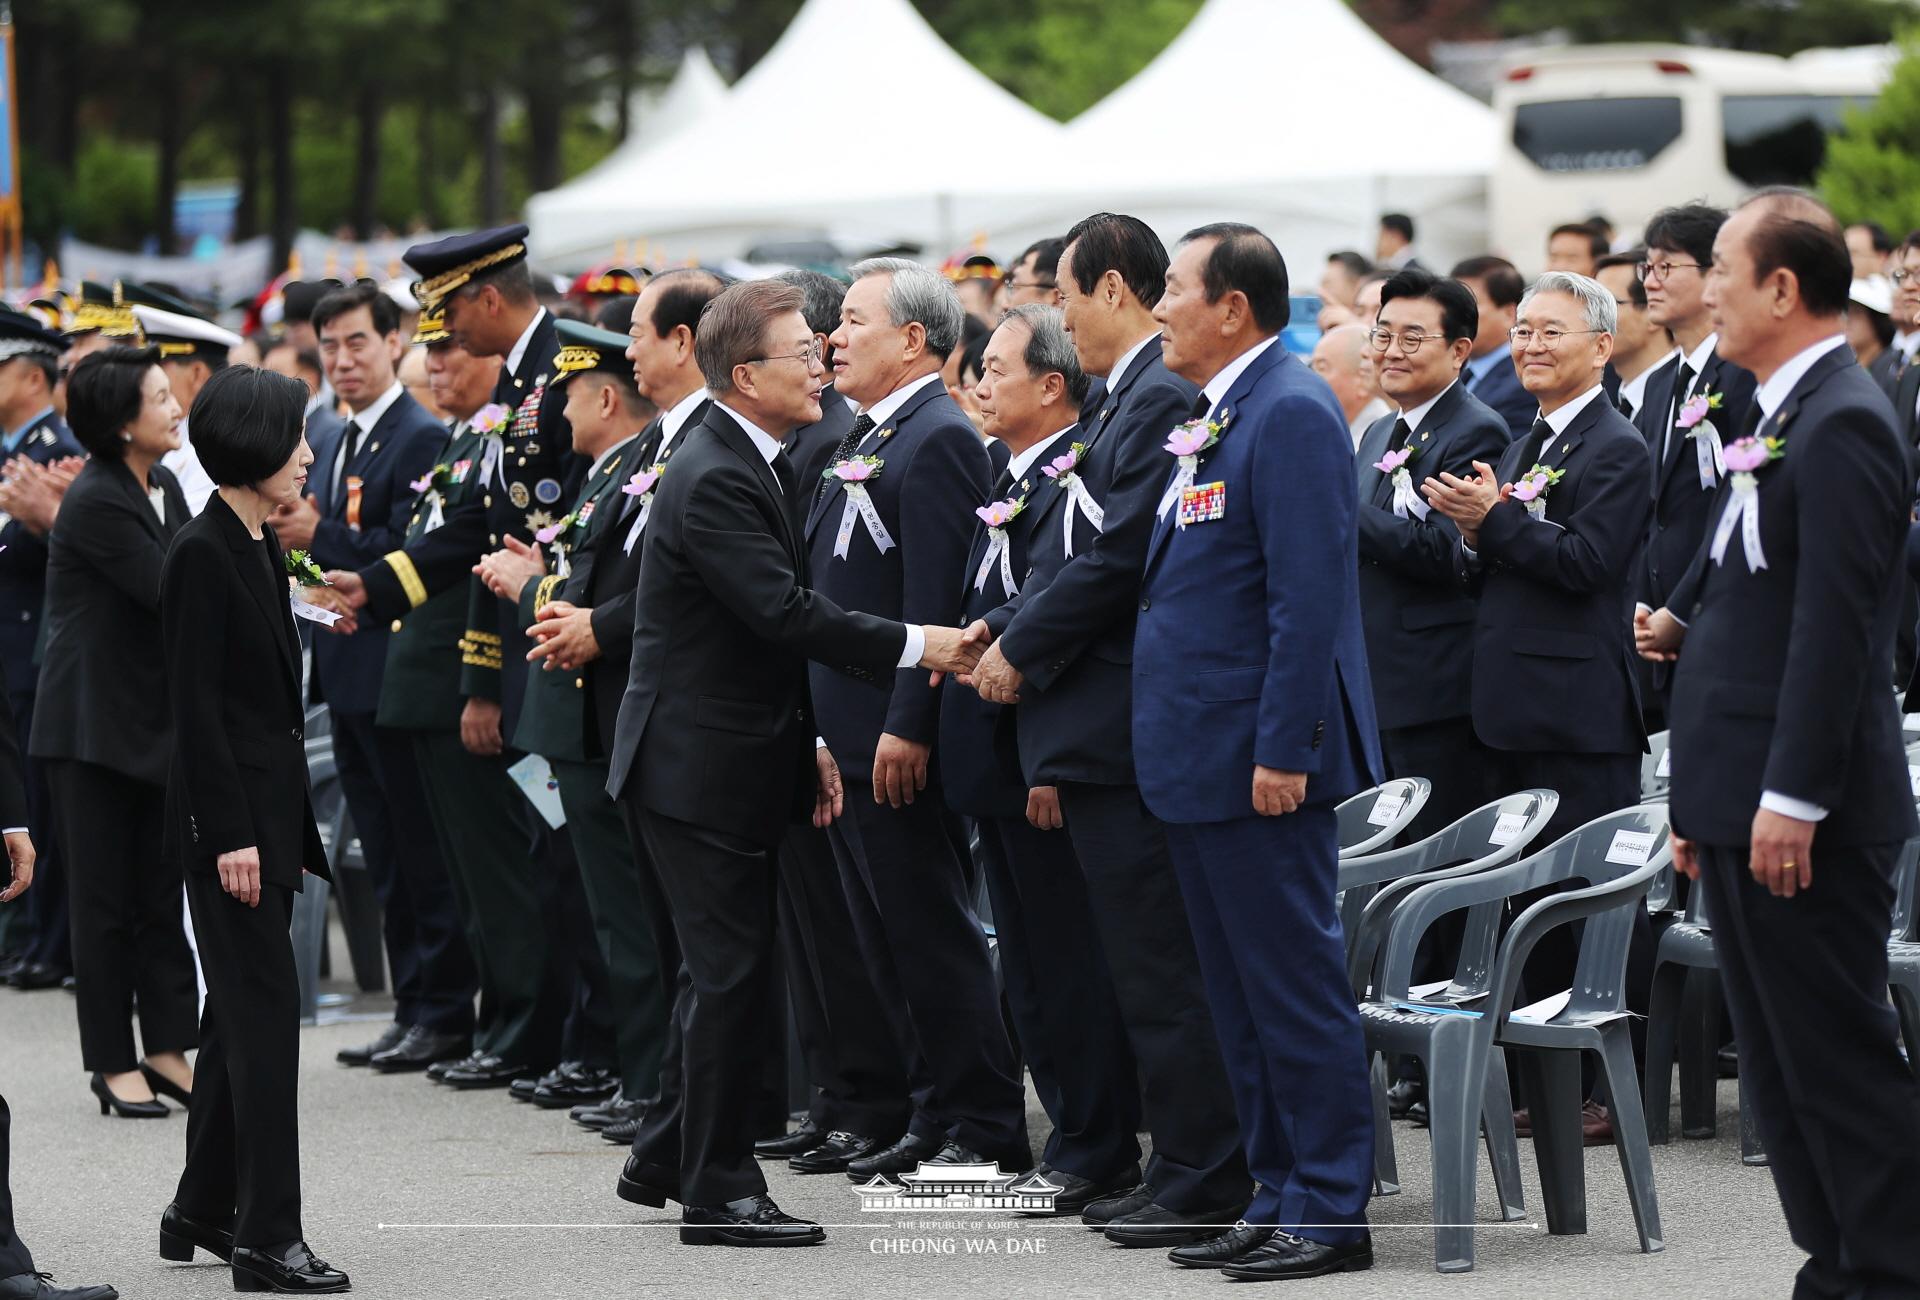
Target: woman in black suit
240 822
101 729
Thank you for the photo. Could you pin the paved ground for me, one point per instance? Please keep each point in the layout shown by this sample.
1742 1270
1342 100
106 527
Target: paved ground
531 1199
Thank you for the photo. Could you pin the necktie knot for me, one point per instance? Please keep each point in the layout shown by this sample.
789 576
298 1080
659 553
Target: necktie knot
1537 441
862 426
1402 434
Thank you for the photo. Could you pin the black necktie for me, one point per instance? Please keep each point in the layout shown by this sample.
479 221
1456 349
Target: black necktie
1201 405
1626 407
862 426
1681 383
1537 441
349 443
783 471
1402 434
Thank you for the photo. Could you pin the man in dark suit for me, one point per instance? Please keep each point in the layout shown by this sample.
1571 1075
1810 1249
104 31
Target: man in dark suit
1784 736
1249 663
1682 442
714 752
1903 377
1419 624
1065 651
355 511
1052 962
1393 247
1489 372
30 431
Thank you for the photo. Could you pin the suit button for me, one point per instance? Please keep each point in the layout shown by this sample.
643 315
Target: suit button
579 683
487 500
396 625
26 616
1145 604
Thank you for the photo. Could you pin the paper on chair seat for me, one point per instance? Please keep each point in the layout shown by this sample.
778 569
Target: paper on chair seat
1543 1010
1421 992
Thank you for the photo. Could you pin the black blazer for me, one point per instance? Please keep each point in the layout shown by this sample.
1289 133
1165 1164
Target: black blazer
1553 658
935 473
13 780
1906 394
1070 631
811 446
1781 683
1501 389
1418 623
1680 504
716 728
103 695
238 775
23 561
398 449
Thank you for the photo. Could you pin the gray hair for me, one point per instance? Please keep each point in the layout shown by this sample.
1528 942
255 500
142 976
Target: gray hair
824 294
917 294
1049 347
1596 300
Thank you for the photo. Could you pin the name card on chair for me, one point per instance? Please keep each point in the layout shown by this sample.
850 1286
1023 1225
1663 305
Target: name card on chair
1664 768
1386 808
1507 828
1631 848
1913 779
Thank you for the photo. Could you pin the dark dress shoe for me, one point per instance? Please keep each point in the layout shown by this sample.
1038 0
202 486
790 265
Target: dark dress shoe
291 1269
485 1072
438 1070
36 975
600 1114
832 1156
155 1109
1404 1094
1288 1256
39 1286
1100 1213
1596 1125
1223 1249
9 963
1417 1114
1727 1061
181 1235
804 1138
166 1087
523 1089
389 1039
622 1132
588 1084
749 1221
903 1157
648 1184
1077 1193
1158 1226
419 1048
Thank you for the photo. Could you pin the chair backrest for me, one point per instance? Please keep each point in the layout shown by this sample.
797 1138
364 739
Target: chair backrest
1656 766
1599 977
1371 819
1906 892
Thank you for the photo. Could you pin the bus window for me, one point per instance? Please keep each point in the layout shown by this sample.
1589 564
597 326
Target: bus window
1592 135
1780 139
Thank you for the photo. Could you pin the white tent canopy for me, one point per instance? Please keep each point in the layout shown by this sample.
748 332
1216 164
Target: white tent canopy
850 125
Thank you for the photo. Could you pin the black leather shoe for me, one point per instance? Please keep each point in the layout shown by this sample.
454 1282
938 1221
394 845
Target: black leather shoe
39 1286
586 1085
291 1269
1077 1193
180 1236
1404 1094
36 975
750 1221
1288 1256
1158 1226
833 1154
647 1184
1218 1252
903 1157
389 1039
1099 1213
804 1138
164 1087
1727 1061
155 1109
419 1048
598 1115
438 1070
622 1132
9 963
1417 1114
486 1072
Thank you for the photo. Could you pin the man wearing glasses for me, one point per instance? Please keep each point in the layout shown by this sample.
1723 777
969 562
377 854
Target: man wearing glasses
1686 470
1904 378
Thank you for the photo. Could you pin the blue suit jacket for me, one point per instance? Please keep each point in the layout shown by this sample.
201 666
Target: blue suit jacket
1249 648
23 564
397 450
1501 389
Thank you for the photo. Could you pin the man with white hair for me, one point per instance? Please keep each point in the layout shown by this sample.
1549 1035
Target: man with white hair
1340 359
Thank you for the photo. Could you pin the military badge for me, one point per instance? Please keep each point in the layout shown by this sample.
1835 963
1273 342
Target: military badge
518 494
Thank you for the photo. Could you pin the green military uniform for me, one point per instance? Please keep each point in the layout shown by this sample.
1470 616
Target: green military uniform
553 723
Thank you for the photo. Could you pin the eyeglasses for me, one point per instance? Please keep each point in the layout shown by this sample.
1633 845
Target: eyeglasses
811 356
1902 275
1031 284
1647 271
1410 342
1524 336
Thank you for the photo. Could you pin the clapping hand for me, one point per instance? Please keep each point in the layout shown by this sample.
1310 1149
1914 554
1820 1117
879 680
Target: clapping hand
1466 501
507 572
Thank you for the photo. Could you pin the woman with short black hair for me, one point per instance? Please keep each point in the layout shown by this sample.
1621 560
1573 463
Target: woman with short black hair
240 823
100 728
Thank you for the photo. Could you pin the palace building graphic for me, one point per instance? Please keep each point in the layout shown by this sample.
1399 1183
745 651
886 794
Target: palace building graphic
959 1187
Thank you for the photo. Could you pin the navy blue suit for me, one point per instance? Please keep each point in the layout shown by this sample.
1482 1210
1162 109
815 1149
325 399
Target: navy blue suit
1249 651
1501 390
1419 624
905 883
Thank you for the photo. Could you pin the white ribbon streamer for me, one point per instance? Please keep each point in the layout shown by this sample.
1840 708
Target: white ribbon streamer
1189 466
1405 500
860 504
1706 444
492 460
997 549
639 522
324 617
434 516
1537 509
1744 514
1078 498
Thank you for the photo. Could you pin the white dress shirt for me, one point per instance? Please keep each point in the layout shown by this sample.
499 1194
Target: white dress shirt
1217 387
1634 391
1557 422
882 411
1696 361
365 419
1023 462
1127 358
518 352
672 421
1419 413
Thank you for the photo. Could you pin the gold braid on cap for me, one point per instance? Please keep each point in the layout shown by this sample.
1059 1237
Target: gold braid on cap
575 357
430 293
112 322
432 326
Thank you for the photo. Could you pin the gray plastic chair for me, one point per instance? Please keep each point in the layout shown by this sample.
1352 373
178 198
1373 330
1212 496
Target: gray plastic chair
1373 886
1619 856
1371 819
1656 766
1903 951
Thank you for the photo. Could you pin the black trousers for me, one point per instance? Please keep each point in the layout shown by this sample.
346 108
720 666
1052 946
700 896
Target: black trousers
243 1130
856 1070
48 918
1838 1109
1449 755
1197 1162
15 1258
128 939
1062 999
433 975
908 894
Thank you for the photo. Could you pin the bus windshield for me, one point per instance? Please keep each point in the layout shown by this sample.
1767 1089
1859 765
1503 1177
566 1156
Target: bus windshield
1780 139
1594 135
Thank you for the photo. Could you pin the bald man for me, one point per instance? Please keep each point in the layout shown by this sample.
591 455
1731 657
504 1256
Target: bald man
1340 358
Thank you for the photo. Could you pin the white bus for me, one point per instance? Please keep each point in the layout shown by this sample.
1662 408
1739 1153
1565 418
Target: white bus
1624 130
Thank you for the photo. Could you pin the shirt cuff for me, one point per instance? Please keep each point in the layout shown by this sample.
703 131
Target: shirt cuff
1641 606
13 830
819 742
1787 806
916 646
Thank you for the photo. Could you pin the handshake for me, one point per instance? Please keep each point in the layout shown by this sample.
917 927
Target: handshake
949 650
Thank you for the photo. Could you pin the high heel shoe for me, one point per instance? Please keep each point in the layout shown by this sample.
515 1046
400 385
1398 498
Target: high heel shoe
155 1109
166 1087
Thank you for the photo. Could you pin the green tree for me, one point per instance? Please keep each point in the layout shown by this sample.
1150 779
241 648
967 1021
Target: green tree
1778 27
1872 168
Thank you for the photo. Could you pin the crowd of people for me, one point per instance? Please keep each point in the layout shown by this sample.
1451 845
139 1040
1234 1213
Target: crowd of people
712 650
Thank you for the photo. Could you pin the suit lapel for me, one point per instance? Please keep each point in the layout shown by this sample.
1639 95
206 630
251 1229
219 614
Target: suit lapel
728 430
1148 355
870 446
273 605
1224 414
130 486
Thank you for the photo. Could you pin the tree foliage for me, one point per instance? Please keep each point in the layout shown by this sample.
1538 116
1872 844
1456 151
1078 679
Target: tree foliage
1765 26
1872 169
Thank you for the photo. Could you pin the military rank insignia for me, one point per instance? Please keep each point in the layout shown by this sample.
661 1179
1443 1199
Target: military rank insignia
460 468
